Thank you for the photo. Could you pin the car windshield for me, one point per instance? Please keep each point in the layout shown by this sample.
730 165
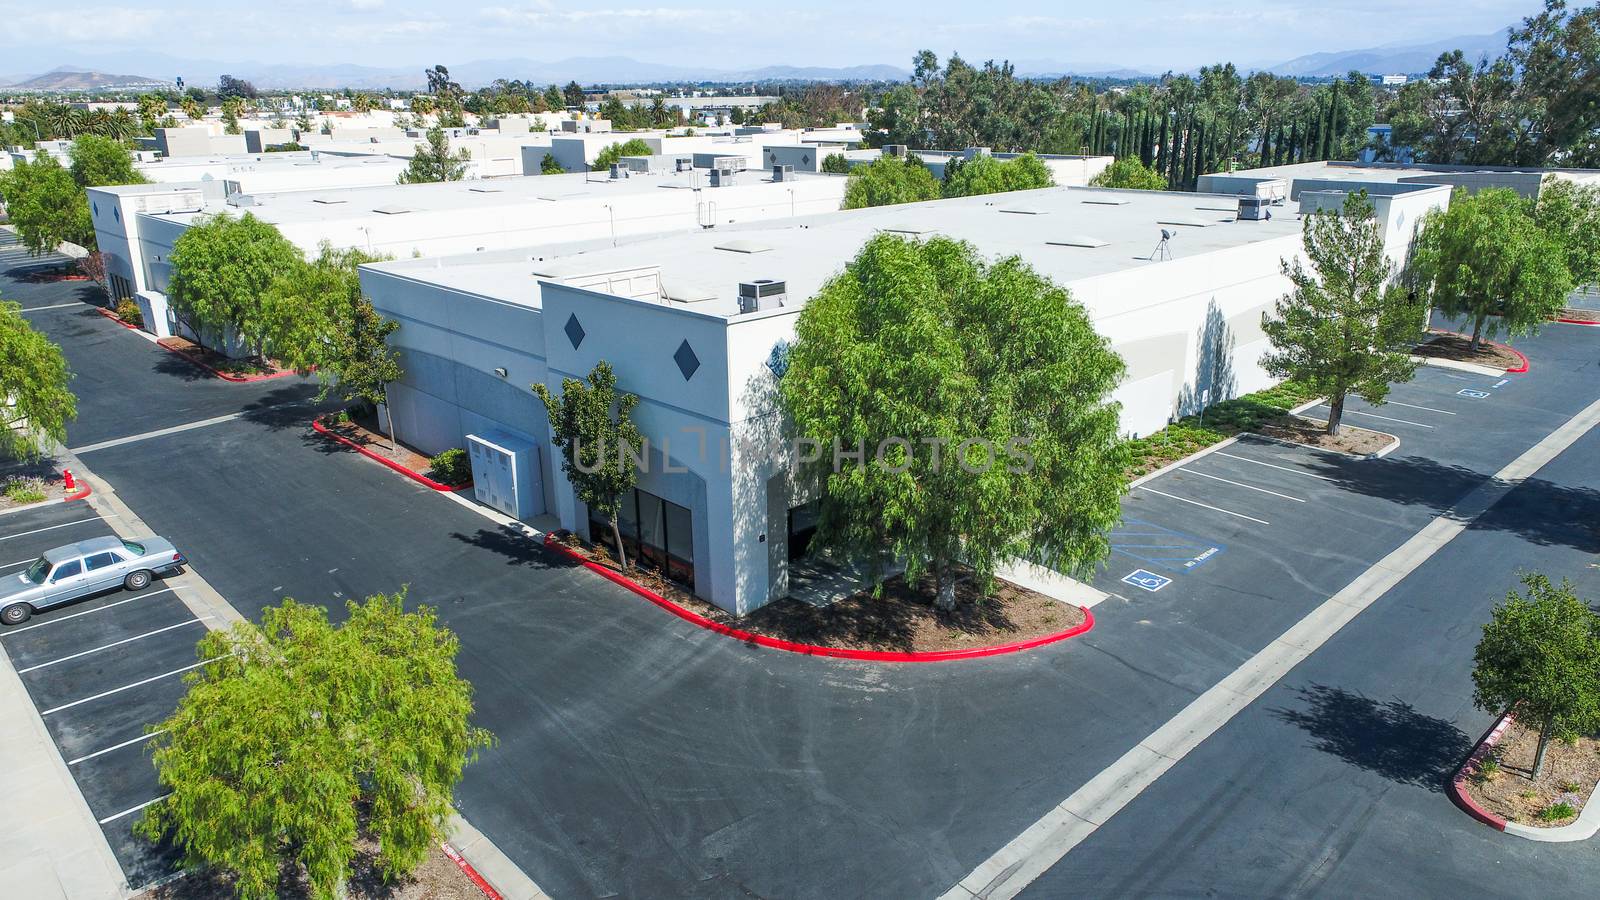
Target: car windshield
36 572
135 549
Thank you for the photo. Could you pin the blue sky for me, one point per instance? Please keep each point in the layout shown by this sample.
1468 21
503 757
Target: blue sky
1151 34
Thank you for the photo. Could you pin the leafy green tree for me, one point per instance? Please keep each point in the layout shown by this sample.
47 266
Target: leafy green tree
888 180
100 161
321 320
1540 659
572 95
554 100
979 396
222 273
1485 258
33 381
835 164
1346 327
1569 214
593 424
298 735
46 206
230 115
987 175
549 166
433 161
614 152
1128 173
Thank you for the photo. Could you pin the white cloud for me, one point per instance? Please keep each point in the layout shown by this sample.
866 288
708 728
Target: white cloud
86 25
365 5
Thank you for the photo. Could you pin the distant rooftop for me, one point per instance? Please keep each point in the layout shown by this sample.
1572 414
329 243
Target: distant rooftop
1069 234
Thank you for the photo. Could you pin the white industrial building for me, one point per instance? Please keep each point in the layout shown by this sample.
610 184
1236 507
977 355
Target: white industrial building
1290 180
696 325
137 225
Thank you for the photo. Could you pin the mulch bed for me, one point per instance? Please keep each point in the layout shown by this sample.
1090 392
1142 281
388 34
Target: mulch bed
1511 794
1458 347
1578 314
365 431
220 362
1313 433
902 620
436 879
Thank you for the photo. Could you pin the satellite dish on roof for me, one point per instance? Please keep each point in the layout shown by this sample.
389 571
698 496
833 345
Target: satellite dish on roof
1162 251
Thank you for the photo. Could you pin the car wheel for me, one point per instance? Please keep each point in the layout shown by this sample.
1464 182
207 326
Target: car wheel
137 581
16 613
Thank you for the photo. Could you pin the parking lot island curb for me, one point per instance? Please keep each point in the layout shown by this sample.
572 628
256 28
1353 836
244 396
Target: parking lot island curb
762 640
1585 827
412 474
467 869
82 493
1584 322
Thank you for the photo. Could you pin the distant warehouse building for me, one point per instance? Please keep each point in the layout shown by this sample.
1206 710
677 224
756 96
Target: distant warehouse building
697 325
136 226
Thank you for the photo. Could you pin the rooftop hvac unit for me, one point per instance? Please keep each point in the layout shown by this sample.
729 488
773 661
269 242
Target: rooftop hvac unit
762 294
894 149
783 173
721 178
1254 209
616 170
241 200
683 164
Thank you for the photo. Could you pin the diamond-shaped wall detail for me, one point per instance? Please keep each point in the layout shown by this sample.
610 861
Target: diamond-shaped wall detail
778 359
574 330
687 362
805 158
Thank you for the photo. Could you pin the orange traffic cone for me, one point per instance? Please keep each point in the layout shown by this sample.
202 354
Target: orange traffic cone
67 480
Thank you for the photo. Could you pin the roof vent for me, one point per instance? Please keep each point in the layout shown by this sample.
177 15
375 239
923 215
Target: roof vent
762 294
1076 240
1107 201
391 210
744 246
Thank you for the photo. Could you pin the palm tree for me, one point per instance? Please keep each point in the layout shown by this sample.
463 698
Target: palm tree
193 109
422 104
121 125
361 103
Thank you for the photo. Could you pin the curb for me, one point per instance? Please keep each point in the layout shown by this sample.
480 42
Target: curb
115 318
1178 463
1458 792
466 867
316 425
1519 369
81 493
814 649
1584 322
237 379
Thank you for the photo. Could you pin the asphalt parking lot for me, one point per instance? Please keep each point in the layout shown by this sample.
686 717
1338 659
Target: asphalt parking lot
98 671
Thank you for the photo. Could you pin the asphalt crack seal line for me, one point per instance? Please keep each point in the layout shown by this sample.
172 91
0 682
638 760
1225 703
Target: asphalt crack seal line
1047 841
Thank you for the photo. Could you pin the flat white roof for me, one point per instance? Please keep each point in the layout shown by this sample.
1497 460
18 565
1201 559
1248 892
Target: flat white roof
1387 172
524 192
1068 234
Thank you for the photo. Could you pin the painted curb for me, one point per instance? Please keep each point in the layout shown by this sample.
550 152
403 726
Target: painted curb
814 649
237 379
418 477
1584 322
466 867
115 318
81 493
1225 442
1521 368
1458 791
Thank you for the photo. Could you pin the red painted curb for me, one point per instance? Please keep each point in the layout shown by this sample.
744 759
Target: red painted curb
813 649
237 379
1579 322
1520 369
415 476
1458 791
466 867
83 491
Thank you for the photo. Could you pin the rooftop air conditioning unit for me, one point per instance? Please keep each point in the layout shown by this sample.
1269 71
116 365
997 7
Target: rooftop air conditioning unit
241 200
683 164
616 170
894 149
762 294
783 173
1254 209
721 178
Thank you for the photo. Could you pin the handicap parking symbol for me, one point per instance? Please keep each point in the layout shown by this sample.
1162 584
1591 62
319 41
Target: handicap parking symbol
1476 395
1150 581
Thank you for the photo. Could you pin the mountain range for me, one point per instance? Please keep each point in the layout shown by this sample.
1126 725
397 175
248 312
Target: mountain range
1402 58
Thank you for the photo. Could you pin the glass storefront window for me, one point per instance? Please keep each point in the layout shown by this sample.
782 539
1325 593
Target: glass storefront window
655 533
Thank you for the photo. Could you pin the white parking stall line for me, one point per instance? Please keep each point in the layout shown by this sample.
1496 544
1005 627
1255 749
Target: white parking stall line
1198 503
18 562
29 309
1444 412
139 739
1357 412
128 687
129 640
50 528
129 812
1273 466
1190 471
87 612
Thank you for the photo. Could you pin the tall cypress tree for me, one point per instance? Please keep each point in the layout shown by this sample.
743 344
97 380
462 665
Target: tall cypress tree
1161 147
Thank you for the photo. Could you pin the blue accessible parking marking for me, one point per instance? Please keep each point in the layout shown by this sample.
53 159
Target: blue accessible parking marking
1474 394
1150 581
1161 547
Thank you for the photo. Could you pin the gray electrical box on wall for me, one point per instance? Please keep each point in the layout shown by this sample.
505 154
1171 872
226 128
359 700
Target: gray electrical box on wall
506 474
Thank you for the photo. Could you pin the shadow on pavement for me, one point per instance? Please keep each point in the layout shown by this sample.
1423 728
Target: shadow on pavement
517 548
1388 738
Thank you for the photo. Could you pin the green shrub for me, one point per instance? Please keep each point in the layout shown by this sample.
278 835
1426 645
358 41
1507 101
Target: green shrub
24 489
1488 770
1557 811
1221 421
1570 787
128 311
452 466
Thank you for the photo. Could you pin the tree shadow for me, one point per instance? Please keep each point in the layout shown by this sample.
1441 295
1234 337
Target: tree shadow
1537 510
1214 379
1388 738
288 406
515 547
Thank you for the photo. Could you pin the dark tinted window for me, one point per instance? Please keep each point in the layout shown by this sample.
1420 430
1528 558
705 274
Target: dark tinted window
66 570
101 560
